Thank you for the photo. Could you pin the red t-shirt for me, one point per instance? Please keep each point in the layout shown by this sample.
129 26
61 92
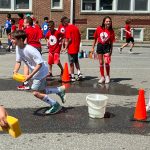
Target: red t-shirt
20 24
128 35
104 35
54 41
33 37
72 32
13 28
39 30
61 29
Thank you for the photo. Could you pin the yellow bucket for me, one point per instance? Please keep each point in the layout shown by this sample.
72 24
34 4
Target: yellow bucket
19 77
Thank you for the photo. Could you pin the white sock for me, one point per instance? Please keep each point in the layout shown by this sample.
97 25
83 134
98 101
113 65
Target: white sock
26 82
49 100
72 75
52 90
78 71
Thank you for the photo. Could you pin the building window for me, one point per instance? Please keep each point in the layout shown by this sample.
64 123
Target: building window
90 33
137 33
56 4
22 4
12 5
105 4
124 5
141 5
89 5
114 6
5 4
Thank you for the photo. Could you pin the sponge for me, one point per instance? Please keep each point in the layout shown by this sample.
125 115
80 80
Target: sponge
19 77
13 127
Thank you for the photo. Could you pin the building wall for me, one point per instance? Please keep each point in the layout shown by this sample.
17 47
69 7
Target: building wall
95 19
40 9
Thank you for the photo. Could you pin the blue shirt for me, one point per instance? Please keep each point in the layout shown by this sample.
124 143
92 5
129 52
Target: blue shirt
45 28
8 25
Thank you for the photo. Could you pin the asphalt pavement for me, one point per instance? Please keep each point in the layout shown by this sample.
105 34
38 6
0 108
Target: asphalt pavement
72 128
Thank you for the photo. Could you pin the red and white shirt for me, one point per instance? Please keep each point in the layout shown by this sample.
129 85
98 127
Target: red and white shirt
104 36
54 41
62 29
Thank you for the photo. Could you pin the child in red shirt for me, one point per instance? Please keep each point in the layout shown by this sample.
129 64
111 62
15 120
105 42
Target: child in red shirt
13 28
32 34
21 21
61 29
105 37
73 38
53 36
129 37
38 28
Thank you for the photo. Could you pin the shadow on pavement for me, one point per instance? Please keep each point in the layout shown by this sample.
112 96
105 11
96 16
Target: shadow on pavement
76 119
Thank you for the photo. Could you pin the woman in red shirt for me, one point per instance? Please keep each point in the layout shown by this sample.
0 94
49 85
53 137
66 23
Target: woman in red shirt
104 37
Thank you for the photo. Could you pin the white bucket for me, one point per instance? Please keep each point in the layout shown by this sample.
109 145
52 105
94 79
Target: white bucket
96 105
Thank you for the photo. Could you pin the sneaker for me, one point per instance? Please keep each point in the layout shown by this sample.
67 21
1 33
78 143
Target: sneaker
61 73
147 108
107 79
23 87
50 75
102 79
54 109
62 94
8 49
120 50
73 79
11 47
80 76
130 51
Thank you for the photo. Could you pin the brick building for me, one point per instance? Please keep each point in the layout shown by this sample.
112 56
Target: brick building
86 14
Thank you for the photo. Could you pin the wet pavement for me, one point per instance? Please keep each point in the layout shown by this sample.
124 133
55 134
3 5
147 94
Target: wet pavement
72 128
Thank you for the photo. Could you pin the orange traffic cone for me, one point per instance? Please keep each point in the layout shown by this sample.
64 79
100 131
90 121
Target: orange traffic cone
140 111
65 76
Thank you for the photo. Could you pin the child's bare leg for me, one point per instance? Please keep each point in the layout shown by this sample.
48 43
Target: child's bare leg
132 45
124 45
61 67
26 70
50 69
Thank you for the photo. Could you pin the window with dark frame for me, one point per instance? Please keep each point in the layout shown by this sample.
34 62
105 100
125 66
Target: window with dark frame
22 4
105 4
89 5
124 5
5 4
55 3
141 5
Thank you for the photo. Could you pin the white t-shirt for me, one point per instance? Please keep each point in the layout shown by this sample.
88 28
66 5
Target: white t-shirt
31 57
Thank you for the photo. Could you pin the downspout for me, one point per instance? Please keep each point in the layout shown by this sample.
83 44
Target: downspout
71 11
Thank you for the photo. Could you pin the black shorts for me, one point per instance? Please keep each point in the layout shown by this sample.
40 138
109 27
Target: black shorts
131 39
73 58
8 31
103 48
